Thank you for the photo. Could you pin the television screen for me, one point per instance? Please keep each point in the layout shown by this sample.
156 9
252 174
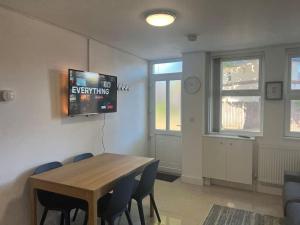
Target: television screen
91 93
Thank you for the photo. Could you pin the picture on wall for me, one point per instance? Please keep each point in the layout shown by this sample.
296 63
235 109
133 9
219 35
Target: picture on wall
274 90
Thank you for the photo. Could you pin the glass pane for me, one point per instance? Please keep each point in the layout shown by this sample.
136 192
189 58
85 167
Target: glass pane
241 113
160 105
175 105
171 67
240 74
295 79
295 116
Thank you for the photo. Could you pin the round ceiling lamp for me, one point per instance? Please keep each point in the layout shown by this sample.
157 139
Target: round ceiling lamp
160 18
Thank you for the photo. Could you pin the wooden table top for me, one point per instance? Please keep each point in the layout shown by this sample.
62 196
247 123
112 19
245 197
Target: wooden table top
95 172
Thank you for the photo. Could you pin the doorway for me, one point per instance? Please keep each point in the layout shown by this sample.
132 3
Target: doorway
165 114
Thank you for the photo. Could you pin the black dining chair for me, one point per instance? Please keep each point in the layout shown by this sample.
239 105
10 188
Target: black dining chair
114 204
82 156
78 158
56 202
143 188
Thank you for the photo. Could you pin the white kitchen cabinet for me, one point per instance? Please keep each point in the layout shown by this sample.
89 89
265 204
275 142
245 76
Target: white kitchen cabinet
229 159
214 159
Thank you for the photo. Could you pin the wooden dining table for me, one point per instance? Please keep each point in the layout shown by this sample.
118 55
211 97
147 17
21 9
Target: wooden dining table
88 179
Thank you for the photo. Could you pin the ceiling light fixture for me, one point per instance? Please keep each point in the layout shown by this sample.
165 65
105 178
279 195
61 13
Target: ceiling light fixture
160 18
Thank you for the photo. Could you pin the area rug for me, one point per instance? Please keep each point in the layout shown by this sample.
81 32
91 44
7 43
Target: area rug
221 215
166 177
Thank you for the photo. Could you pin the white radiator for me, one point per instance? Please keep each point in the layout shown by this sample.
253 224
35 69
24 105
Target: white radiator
274 160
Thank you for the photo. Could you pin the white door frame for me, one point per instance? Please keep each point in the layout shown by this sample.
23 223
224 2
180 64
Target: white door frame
152 79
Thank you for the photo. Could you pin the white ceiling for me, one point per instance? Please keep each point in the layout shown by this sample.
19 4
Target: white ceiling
220 24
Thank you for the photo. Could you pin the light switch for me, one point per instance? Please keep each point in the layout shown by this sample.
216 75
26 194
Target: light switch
7 95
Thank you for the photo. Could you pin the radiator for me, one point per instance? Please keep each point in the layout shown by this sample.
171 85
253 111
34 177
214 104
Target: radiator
274 160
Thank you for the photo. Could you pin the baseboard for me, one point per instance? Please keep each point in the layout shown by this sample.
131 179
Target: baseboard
192 180
268 189
256 187
245 187
260 187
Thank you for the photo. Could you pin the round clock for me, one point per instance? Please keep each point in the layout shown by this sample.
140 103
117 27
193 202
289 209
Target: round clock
192 85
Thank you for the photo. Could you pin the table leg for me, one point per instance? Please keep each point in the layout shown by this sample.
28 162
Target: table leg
92 219
33 205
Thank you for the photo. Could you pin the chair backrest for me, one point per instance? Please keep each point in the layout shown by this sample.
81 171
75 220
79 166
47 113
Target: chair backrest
147 180
82 156
46 167
45 197
121 195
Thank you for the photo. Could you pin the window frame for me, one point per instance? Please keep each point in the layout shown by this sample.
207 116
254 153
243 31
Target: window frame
162 61
163 77
234 93
290 94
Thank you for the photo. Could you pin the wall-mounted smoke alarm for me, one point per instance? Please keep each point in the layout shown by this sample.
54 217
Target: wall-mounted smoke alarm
7 95
192 37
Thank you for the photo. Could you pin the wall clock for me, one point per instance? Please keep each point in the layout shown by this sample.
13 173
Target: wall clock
192 85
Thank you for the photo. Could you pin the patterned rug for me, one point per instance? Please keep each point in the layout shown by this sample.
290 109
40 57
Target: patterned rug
221 215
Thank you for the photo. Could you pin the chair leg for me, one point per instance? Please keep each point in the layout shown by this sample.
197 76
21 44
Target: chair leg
44 216
154 206
128 217
62 218
86 218
111 222
67 217
75 214
141 212
129 205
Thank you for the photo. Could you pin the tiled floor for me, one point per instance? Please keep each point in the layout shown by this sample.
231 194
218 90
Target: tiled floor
184 204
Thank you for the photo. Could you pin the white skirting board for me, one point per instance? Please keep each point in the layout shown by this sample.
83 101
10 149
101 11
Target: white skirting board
269 189
255 187
192 180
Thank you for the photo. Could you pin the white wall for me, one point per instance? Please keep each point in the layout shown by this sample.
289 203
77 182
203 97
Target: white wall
193 109
33 57
274 143
275 70
193 119
130 125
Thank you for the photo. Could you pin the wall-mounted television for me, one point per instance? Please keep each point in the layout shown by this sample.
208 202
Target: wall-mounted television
91 93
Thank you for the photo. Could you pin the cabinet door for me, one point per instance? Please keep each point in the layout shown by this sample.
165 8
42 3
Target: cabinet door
239 161
214 159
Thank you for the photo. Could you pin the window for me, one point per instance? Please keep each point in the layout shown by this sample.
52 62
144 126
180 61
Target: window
166 80
241 113
295 73
160 105
293 96
169 67
295 116
240 74
236 103
175 105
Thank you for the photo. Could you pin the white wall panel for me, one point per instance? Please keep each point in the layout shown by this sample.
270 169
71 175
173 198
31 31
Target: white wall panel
33 58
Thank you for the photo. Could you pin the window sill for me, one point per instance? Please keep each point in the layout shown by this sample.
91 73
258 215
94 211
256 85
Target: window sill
219 135
291 138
